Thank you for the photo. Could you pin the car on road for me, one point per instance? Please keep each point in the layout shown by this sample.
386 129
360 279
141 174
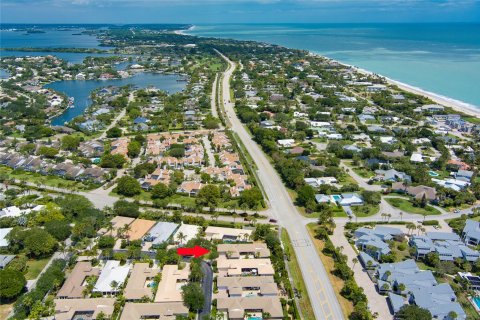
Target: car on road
273 221
456 211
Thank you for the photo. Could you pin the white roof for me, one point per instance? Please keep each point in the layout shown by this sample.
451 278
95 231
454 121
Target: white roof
416 157
10 212
3 233
161 232
387 139
286 141
188 230
111 272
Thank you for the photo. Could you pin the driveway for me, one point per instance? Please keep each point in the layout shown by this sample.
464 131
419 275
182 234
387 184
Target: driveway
207 286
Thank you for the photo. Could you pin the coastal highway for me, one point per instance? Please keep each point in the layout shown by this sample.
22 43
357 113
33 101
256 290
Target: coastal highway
324 302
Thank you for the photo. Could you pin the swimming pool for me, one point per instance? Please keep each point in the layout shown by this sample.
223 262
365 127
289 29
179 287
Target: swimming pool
337 197
433 174
476 300
254 318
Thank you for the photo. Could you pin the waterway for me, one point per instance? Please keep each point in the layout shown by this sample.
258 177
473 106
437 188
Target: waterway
81 90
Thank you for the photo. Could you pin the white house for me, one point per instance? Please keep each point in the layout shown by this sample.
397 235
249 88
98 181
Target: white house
286 143
388 140
416 157
334 136
112 271
3 234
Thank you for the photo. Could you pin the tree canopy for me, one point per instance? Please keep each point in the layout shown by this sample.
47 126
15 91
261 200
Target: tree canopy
12 283
128 186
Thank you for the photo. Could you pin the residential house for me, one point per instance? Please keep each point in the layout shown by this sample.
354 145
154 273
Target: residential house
244 267
170 286
68 309
166 310
464 175
192 188
227 234
140 283
420 287
160 233
3 237
393 175
418 192
243 250
236 308
470 233
111 273
261 286
74 286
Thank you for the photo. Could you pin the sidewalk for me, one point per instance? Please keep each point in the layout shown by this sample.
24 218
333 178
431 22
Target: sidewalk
376 302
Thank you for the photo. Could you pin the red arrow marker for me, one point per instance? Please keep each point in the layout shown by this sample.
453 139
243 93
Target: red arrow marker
196 251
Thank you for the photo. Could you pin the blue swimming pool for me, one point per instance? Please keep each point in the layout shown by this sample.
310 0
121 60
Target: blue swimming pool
254 318
433 174
476 300
337 197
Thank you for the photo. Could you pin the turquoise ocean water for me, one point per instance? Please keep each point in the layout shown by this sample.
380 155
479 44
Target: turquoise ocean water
441 58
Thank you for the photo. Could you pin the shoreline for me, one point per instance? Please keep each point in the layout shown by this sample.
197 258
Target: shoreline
457 105
182 31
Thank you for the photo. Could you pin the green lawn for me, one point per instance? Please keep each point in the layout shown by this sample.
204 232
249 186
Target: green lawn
401 254
298 282
364 173
407 206
365 210
474 120
35 267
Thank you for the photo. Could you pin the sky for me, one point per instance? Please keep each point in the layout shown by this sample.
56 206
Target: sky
237 11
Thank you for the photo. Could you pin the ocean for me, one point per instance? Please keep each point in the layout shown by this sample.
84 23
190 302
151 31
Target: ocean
440 58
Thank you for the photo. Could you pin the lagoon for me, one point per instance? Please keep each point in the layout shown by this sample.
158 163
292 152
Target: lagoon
48 39
80 90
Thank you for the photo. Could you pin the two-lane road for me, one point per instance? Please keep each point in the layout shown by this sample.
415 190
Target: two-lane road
322 295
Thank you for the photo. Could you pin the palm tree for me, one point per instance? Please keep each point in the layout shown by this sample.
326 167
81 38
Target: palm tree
127 228
234 215
181 236
401 215
389 216
355 261
114 285
369 264
109 227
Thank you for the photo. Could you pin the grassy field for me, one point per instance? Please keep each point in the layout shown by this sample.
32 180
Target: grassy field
364 173
337 283
365 210
407 206
295 272
35 267
43 181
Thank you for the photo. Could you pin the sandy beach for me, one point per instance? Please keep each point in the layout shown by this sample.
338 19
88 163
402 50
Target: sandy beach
442 100
182 32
